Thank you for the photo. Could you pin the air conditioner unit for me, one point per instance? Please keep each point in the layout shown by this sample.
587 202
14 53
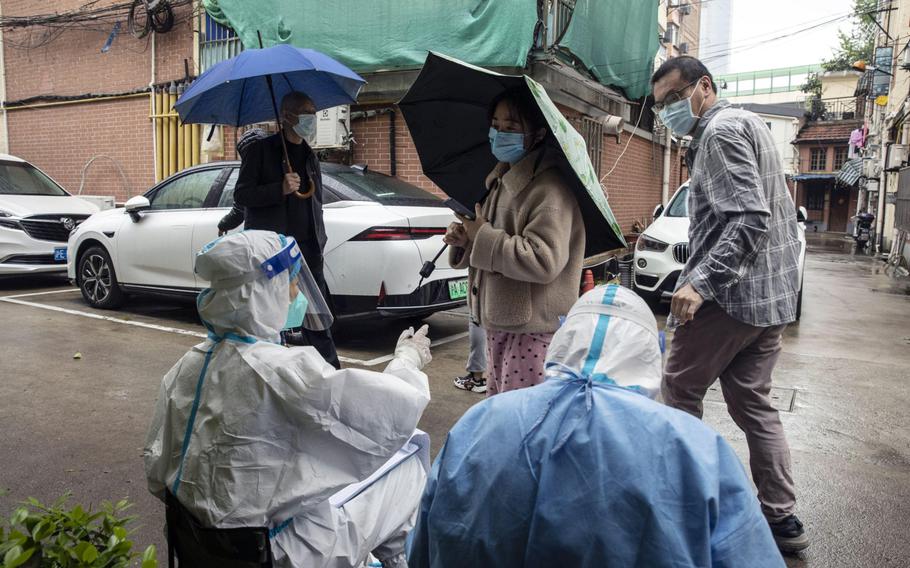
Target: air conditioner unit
333 126
897 155
685 9
683 48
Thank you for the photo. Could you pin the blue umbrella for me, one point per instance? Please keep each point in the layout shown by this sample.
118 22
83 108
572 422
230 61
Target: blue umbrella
238 91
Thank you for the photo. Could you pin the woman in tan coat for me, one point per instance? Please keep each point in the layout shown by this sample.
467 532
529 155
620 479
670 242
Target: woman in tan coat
525 248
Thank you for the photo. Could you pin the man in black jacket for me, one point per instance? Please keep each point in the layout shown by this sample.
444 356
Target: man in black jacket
289 203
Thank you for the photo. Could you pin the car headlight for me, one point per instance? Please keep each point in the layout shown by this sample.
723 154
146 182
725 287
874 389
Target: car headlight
9 221
649 244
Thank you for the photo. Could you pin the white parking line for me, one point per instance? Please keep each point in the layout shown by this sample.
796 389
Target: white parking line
42 293
13 300
16 300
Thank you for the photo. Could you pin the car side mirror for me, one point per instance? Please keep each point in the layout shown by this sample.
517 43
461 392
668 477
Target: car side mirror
136 204
801 214
658 211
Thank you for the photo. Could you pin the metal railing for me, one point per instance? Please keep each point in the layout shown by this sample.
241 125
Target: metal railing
848 108
556 17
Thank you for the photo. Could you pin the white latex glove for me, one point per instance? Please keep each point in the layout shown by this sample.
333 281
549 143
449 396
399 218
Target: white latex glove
414 348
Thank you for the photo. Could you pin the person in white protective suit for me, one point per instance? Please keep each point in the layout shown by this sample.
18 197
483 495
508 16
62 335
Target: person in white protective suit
248 433
586 469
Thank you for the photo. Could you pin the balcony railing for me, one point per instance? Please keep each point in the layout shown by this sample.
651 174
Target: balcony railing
848 108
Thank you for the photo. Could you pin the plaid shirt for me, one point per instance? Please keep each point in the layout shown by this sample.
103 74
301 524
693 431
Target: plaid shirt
743 247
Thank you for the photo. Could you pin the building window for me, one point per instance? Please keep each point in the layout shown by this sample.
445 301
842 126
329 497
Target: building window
840 157
818 159
593 133
815 199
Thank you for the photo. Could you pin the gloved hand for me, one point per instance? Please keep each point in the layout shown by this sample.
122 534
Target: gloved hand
414 348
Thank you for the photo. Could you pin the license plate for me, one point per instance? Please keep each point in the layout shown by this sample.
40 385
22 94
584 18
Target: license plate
458 289
60 254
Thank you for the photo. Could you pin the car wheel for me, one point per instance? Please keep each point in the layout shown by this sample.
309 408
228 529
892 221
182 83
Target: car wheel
97 280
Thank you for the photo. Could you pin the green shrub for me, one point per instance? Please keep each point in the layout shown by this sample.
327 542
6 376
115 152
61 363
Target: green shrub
53 536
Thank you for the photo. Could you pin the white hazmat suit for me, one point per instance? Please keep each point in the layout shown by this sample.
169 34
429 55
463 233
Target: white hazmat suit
247 432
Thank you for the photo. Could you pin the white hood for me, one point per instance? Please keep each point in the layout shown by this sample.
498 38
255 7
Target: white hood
670 230
254 307
611 336
26 205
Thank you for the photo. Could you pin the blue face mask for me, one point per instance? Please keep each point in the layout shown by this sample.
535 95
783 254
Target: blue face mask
306 127
507 146
296 312
678 117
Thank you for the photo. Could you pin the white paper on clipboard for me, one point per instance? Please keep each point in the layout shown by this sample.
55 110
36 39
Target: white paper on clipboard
418 447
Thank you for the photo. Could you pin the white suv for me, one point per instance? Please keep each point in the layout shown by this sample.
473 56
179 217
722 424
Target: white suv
36 218
663 249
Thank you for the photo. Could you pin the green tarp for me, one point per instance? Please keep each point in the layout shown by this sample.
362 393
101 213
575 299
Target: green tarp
372 35
617 41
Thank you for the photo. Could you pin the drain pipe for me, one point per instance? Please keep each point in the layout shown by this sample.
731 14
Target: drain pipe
665 183
152 96
5 148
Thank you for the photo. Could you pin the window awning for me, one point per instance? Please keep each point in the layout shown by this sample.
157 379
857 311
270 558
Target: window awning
812 177
850 172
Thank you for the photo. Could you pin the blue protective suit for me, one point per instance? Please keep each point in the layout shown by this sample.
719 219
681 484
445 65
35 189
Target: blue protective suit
587 470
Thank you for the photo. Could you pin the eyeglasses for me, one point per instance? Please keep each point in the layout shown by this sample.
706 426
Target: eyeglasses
673 97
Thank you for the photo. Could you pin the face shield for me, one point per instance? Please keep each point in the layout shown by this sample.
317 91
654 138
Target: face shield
307 307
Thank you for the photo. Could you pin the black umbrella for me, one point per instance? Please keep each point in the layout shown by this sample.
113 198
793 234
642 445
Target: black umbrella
446 110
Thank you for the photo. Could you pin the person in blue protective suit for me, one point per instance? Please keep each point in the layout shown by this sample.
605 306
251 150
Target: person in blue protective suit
586 470
248 433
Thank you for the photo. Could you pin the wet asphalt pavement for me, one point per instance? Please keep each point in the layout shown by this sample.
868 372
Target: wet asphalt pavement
842 384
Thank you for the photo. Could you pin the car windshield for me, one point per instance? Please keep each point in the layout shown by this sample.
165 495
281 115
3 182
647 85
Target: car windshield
679 207
20 178
358 185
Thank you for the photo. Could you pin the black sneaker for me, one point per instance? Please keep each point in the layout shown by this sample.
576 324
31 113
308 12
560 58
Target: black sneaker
471 383
789 534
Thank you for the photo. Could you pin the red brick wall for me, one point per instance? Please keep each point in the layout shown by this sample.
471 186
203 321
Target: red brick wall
62 139
372 147
634 187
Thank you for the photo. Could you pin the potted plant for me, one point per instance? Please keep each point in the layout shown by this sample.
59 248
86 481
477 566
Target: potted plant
57 536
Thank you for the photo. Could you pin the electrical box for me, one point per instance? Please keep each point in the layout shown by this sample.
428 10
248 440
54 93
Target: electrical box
897 155
333 127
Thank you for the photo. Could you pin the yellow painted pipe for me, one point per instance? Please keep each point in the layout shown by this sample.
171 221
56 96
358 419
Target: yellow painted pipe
159 130
172 126
187 145
194 139
165 136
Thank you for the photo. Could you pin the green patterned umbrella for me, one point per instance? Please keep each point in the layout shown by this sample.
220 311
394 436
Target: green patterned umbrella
446 112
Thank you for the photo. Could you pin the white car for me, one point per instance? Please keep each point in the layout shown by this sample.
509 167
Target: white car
663 249
380 232
36 218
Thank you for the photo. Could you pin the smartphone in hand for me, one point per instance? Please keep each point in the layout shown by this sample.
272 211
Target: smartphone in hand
459 208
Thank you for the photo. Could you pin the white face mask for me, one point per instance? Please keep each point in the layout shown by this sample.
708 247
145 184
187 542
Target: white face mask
306 127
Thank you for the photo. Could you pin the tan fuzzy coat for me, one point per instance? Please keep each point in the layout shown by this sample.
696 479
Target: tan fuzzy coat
525 264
